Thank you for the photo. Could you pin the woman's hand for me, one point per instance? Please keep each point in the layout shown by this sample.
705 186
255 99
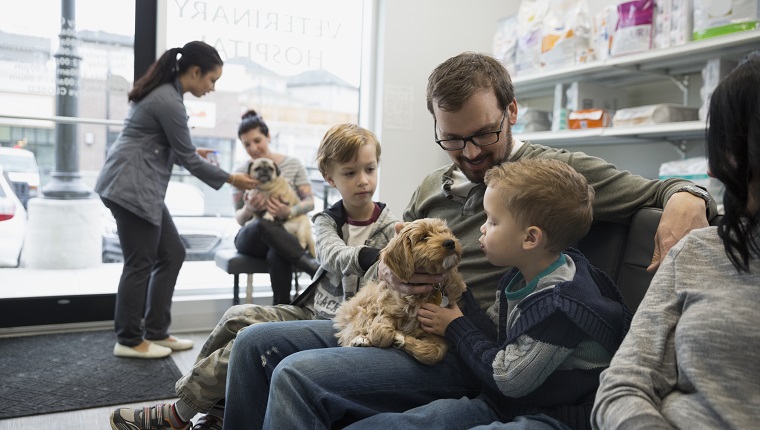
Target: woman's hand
254 200
203 152
242 181
278 209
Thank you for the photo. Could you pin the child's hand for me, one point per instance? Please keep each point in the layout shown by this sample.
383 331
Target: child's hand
434 319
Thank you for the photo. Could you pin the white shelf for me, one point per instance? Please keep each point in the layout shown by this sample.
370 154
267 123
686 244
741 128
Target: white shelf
676 132
642 67
632 69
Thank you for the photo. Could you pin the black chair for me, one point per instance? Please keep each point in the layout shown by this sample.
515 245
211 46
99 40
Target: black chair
236 264
625 251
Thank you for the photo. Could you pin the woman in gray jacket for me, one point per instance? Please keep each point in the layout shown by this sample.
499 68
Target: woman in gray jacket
133 182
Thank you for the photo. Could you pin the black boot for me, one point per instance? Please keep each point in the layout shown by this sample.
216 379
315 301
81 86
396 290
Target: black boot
307 264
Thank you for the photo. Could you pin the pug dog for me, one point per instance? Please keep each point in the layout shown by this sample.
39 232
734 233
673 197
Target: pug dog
272 185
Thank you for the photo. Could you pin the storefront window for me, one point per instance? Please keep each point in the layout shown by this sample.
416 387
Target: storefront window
297 62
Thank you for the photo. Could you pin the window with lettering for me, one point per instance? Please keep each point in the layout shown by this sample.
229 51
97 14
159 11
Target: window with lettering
78 66
296 62
66 67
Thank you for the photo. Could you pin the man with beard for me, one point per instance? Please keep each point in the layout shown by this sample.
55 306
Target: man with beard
315 385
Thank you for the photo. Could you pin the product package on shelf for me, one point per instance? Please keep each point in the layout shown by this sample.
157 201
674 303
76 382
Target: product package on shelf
604 27
530 120
718 17
505 42
681 22
633 32
530 16
588 118
566 34
583 95
559 108
714 71
662 16
653 114
672 23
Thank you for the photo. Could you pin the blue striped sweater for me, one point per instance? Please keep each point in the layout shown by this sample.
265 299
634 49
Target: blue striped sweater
548 356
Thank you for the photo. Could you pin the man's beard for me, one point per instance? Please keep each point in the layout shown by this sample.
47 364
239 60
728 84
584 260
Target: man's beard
489 161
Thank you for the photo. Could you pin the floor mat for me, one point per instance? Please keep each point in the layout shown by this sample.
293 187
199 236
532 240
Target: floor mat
70 371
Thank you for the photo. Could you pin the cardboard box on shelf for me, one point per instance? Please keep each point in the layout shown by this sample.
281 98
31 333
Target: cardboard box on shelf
716 18
588 118
654 114
583 95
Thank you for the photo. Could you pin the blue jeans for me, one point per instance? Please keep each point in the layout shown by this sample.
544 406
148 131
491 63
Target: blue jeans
316 384
453 414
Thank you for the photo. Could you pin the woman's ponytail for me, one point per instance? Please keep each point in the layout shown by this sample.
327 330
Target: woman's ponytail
160 72
168 66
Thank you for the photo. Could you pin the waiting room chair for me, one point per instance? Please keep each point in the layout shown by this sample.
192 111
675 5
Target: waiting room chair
236 264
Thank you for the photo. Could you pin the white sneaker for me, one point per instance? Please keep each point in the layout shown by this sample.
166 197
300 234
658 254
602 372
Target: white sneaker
154 351
176 345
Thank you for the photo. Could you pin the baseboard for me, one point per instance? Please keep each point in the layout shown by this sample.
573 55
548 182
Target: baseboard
190 313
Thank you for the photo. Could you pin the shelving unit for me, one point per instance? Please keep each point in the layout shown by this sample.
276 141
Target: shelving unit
673 64
675 132
642 67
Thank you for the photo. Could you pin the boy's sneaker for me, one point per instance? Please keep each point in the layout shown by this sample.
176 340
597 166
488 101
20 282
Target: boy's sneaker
156 417
208 422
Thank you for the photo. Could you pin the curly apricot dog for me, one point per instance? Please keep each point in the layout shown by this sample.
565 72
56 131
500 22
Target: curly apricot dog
380 316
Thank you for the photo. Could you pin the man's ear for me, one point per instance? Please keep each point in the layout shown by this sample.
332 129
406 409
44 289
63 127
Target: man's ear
534 237
329 180
512 112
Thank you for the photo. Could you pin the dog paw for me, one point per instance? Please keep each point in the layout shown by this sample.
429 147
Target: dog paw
360 341
398 340
268 217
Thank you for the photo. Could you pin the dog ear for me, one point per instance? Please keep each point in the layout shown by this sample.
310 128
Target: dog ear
250 166
397 255
276 169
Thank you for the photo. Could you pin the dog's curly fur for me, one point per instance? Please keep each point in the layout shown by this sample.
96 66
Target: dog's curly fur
273 185
381 316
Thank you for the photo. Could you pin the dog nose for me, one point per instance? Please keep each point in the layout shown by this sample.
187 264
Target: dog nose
449 244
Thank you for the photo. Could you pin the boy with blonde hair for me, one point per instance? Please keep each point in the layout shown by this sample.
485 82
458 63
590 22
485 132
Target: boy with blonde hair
557 320
351 233
349 236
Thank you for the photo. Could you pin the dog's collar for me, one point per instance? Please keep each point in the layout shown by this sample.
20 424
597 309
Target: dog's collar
442 291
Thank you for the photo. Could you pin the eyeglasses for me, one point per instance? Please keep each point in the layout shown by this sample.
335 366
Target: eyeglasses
477 139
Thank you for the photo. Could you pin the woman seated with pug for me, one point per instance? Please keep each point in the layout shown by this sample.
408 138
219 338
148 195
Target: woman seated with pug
261 236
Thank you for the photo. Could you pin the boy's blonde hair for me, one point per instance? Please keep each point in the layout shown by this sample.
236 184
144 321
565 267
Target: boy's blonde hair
548 194
342 143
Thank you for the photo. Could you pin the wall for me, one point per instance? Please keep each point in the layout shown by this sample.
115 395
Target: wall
412 40
414 37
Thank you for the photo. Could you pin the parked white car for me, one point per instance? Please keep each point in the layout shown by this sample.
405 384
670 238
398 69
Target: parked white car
202 235
12 223
21 168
